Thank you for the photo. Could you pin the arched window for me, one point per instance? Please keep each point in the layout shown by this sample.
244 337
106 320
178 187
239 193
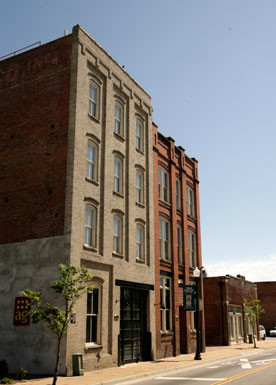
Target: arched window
93 315
117 234
139 186
163 184
139 135
192 248
119 119
164 239
92 161
118 175
90 226
140 242
190 199
94 99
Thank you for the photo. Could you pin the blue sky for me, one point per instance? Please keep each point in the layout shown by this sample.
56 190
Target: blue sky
210 67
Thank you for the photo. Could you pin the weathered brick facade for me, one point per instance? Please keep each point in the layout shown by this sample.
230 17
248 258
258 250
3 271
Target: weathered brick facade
267 296
34 114
223 304
173 160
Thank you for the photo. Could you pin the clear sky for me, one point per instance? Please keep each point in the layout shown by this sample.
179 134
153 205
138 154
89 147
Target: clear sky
210 67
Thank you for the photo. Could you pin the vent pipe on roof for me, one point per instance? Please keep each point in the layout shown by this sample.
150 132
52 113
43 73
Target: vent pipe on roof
65 32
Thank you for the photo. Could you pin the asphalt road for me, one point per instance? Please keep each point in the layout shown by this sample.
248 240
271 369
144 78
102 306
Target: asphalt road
255 369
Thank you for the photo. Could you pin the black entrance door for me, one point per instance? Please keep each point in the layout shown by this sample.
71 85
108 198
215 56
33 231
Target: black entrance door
133 335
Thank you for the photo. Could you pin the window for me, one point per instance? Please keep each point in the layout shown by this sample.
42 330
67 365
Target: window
190 201
91 161
119 129
94 93
93 317
192 248
163 185
179 244
117 234
165 304
164 239
118 171
139 186
177 190
140 249
90 226
139 135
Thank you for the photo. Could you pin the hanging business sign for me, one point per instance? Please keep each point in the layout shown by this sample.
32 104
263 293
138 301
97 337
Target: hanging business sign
21 306
189 297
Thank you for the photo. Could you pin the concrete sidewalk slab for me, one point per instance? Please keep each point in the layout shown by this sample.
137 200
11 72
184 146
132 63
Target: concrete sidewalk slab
130 372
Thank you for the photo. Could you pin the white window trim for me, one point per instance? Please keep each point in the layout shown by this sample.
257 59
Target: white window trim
120 236
192 253
179 244
140 189
178 193
96 102
118 178
89 163
163 190
121 122
162 222
140 138
142 243
93 228
190 200
91 344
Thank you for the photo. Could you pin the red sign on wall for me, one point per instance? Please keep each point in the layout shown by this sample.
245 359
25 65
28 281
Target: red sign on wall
21 306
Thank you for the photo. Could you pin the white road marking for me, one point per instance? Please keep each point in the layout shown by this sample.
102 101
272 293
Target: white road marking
213 367
190 379
245 363
263 362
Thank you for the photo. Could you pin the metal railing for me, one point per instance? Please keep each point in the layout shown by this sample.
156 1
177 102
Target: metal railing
19 50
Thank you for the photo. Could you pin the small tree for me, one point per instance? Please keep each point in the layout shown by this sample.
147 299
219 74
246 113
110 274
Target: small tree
254 312
71 286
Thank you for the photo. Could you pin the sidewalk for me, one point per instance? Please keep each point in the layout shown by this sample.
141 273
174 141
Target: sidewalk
130 372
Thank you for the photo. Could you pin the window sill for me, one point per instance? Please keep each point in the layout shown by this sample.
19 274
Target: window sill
90 248
92 345
117 255
118 136
118 194
140 261
141 152
94 118
164 202
165 260
92 181
191 217
167 333
140 205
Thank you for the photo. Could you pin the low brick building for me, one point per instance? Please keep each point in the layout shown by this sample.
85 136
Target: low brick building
177 244
267 296
225 316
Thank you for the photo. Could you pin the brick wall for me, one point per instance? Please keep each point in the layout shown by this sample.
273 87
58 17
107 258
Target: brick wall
34 105
267 296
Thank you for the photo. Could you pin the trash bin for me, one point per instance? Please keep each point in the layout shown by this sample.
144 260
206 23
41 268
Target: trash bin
250 338
77 364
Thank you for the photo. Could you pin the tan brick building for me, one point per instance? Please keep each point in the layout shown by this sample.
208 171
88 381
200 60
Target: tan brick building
77 187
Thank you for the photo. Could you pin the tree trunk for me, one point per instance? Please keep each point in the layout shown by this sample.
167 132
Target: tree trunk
254 339
57 361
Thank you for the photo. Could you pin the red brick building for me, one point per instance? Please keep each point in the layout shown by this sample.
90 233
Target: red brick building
267 296
177 243
225 315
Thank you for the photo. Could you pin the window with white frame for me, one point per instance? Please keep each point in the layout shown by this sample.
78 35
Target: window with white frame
139 186
140 244
165 304
139 135
192 248
90 226
177 191
119 119
118 175
92 161
179 244
163 184
190 201
164 239
117 234
94 97
93 316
